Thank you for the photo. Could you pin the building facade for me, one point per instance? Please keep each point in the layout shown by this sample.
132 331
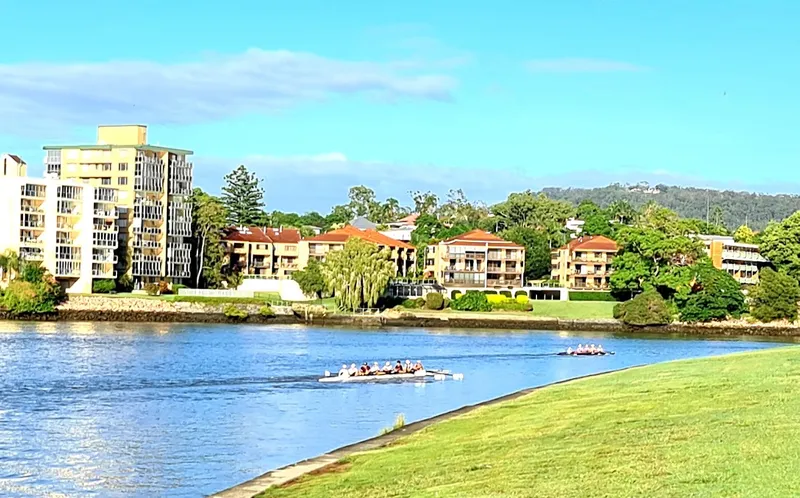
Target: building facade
476 259
263 252
584 263
403 254
741 261
153 184
67 226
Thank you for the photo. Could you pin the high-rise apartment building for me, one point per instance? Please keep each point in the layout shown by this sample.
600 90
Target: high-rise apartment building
67 226
153 183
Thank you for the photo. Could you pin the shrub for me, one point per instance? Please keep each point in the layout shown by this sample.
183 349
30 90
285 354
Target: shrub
124 283
27 297
310 279
512 305
472 301
420 302
177 287
234 312
496 298
163 287
648 308
775 297
715 296
506 294
266 312
104 286
522 298
32 273
434 301
446 303
521 293
591 296
409 304
151 289
455 295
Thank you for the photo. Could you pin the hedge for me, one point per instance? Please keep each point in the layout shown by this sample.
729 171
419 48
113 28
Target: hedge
591 296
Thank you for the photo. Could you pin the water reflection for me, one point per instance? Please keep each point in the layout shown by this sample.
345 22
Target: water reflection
103 409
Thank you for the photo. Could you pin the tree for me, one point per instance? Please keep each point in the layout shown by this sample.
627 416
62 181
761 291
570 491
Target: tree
36 291
537 250
339 216
780 243
362 201
744 235
234 278
648 308
622 212
310 279
358 274
597 221
459 210
529 210
387 212
208 220
9 263
425 202
243 197
775 297
715 295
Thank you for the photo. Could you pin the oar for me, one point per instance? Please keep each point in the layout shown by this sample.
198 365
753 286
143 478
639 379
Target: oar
442 374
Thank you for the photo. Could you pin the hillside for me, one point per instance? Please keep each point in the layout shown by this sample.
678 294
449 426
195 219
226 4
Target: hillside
737 207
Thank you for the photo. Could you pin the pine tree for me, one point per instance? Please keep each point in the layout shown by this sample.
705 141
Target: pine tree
243 197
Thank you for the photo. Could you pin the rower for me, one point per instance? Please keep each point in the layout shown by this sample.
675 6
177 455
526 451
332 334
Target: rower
600 349
398 367
418 366
376 369
344 372
387 368
353 370
592 349
364 369
408 367
569 350
579 349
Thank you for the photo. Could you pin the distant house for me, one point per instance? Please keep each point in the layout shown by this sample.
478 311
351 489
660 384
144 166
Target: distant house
741 261
402 228
584 263
319 246
476 259
12 165
266 252
362 223
575 226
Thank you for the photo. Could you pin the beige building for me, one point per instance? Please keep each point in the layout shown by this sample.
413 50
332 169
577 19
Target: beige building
68 226
263 252
742 261
402 254
153 182
12 166
476 259
584 263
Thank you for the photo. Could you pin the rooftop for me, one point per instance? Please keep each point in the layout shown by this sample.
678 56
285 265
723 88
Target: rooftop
343 235
152 148
265 235
479 237
592 243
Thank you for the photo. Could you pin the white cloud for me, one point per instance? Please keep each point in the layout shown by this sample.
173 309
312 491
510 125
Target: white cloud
37 95
578 65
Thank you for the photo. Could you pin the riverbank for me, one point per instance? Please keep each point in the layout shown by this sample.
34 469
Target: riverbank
721 426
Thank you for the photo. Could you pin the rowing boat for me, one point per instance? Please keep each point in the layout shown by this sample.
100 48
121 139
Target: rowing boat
380 377
564 353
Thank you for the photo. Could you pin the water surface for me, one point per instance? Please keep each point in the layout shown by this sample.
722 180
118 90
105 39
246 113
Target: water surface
131 410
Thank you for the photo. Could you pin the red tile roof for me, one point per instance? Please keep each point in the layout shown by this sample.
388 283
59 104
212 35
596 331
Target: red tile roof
411 219
343 234
16 158
263 235
479 237
592 243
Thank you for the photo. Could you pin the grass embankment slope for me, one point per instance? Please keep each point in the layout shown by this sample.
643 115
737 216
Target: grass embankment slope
725 426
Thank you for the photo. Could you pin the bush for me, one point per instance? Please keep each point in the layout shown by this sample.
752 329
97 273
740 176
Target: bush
506 294
434 301
163 287
27 297
151 289
234 312
521 293
409 304
420 302
124 283
455 295
495 298
775 297
715 296
512 305
104 286
177 287
472 301
648 308
446 303
266 312
522 298
591 296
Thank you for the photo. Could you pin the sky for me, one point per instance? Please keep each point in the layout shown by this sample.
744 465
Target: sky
490 97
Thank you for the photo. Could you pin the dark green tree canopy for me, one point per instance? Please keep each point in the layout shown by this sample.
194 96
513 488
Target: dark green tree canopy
775 297
243 197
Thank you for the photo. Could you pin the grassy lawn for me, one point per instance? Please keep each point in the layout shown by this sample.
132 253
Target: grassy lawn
724 426
573 309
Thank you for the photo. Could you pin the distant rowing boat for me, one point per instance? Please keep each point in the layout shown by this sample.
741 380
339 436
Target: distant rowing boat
379 377
604 353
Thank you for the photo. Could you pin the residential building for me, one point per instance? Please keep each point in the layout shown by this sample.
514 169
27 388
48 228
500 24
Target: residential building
584 263
12 166
318 247
741 261
402 228
153 184
263 252
575 226
68 226
476 259
362 223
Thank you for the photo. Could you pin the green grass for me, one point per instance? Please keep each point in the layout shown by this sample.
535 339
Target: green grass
724 426
573 309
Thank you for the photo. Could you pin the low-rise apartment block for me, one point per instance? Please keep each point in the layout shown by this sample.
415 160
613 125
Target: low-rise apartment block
67 226
153 183
584 263
741 261
476 259
402 253
263 252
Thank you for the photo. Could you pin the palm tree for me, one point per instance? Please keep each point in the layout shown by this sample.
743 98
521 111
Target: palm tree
9 263
623 212
358 274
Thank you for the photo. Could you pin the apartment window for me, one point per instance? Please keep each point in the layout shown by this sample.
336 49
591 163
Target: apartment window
122 180
123 166
105 181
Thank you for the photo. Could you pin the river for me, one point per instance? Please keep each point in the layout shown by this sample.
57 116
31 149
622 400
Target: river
142 410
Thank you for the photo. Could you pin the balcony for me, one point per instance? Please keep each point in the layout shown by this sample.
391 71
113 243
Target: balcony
31 241
105 213
67 268
33 191
31 208
743 256
33 222
456 269
103 270
504 282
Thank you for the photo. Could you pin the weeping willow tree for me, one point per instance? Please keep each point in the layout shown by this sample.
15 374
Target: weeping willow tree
358 274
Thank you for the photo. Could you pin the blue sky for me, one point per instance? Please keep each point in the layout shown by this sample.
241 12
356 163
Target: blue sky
490 97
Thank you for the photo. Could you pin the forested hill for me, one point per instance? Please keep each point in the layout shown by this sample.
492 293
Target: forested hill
734 207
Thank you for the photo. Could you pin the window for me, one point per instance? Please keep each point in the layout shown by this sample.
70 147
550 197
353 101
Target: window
122 180
105 181
123 166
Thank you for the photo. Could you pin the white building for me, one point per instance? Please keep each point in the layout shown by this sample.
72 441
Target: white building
70 227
